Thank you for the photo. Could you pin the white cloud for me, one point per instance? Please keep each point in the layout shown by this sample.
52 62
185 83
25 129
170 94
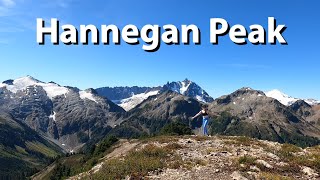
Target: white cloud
5 7
7 3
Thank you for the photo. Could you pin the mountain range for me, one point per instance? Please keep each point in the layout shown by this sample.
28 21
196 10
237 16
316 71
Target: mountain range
129 97
67 119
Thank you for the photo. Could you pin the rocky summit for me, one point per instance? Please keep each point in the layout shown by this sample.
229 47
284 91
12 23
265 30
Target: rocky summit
195 157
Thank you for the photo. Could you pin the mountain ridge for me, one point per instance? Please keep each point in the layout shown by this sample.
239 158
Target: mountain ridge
77 120
75 116
129 97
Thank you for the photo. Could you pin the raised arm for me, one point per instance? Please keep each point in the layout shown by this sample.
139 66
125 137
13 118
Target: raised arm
199 113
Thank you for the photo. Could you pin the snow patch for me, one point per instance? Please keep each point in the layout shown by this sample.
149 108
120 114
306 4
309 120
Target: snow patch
87 95
184 87
281 97
54 90
199 98
131 102
312 101
53 116
288 100
23 83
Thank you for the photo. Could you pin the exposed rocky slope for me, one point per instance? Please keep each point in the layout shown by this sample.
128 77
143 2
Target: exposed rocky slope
155 112
245 112
251 113
218 157
309 113
67 115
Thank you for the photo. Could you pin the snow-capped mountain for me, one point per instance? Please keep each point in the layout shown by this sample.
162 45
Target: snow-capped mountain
22 84
66 115
130 97
190 89
52 89
288 100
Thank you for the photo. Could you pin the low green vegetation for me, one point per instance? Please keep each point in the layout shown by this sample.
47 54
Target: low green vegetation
176 128
22 151
247 160
75 164
273 176
138 163
287 151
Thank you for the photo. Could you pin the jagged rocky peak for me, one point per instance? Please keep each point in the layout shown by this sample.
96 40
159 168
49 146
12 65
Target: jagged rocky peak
300 103
188 88
130 97
302 108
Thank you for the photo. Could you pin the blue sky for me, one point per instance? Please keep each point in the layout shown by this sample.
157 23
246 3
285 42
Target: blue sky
219 69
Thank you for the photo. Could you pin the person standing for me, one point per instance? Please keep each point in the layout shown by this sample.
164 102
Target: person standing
205 119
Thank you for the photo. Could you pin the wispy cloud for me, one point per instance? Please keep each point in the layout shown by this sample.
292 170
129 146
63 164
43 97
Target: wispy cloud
245 66
18 16
7 3
58 3
6 7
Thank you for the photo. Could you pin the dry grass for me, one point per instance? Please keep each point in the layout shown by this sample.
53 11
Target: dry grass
247 160
138 163
161 139
237 141
272 176
201 138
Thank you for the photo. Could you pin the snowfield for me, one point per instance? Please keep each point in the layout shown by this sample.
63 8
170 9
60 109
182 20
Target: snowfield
131 102
87 95
20 84
52 90
288 100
